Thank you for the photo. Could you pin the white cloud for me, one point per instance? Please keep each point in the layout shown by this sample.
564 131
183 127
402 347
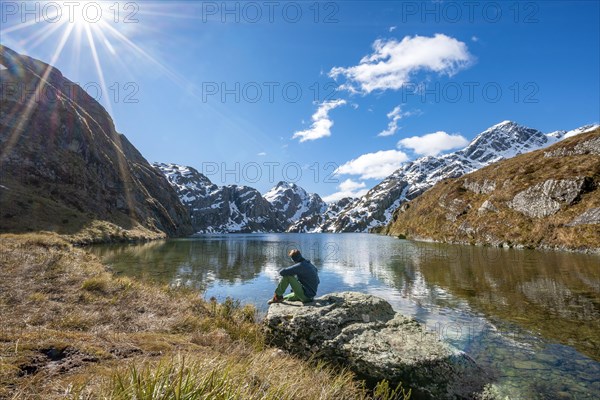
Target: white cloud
474 39
394 116
262 153
376 165
351 186
392 62
433 144
392 28
348 188
321 125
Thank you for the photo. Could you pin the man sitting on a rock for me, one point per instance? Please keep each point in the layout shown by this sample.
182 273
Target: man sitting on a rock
302 277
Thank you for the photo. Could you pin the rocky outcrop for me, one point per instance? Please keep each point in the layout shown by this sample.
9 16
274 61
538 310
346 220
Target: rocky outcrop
484 187
531 200
487 206
363 333
591 216
587 147
547 198
65 166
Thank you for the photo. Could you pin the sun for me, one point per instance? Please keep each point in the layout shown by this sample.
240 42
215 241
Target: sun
89 14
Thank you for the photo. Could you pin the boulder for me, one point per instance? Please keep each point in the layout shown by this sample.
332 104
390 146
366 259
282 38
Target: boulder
363 333
590 216
547 198
487 206
480 187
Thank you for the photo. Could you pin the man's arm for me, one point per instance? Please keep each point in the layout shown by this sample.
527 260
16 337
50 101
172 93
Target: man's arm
293 270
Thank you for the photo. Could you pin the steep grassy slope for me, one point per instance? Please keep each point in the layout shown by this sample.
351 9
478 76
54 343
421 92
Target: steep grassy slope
63 166
548 198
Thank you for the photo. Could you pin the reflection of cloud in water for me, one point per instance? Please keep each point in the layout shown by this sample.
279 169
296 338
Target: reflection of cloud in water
350 276
271 270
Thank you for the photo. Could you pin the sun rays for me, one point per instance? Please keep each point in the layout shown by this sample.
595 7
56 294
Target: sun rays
103 39
93 30
95 35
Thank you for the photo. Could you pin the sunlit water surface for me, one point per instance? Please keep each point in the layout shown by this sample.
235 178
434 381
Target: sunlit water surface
530 317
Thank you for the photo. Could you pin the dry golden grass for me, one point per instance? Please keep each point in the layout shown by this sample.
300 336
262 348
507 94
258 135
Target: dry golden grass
426 216
69 328
23 209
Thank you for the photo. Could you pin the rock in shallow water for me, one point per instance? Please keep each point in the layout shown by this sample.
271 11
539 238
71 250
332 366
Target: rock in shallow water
362 332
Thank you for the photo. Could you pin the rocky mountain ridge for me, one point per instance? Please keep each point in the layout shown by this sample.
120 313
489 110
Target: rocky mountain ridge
233 208
288 207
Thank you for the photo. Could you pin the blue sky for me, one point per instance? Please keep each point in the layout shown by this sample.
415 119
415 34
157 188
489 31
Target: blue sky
257 92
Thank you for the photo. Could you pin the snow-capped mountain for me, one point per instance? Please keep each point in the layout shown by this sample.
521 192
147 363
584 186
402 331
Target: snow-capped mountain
567 134
374 209
288 207
232 208
317 221
215 209
294 202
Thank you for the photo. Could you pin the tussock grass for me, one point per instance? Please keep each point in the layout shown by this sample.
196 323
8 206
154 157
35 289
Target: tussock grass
71 329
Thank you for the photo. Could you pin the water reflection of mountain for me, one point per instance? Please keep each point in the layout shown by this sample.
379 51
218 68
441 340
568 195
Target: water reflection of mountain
188 262
551 293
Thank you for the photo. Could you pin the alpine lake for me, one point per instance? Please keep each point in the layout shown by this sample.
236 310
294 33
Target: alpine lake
531 318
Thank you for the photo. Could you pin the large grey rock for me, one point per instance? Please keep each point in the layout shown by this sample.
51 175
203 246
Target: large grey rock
590 216
483 187
363 333
548 197
591 146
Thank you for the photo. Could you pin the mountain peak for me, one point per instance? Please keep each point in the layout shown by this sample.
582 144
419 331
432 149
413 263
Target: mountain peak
504 123
294 201
504 140
285 185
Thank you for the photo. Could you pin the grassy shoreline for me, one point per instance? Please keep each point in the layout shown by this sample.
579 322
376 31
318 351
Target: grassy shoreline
71 329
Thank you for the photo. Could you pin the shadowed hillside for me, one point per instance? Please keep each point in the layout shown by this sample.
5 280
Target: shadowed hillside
64 167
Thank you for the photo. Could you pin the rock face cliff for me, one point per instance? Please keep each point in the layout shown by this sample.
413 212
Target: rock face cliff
322 222
549 198
363 333
64 166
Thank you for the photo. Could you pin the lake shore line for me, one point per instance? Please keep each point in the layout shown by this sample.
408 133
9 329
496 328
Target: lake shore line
73 329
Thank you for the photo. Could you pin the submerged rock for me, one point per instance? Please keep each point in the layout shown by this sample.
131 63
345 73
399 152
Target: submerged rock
363 333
